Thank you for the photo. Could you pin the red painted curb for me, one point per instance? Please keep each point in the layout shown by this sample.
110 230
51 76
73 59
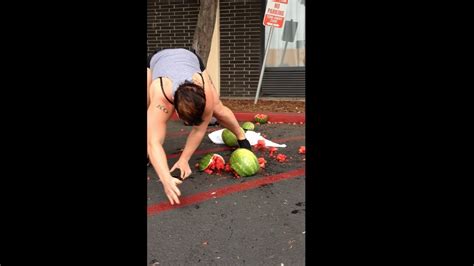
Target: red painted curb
272 117
223 191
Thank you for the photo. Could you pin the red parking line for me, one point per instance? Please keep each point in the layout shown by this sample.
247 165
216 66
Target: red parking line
223 191
175 155
177 134
174 134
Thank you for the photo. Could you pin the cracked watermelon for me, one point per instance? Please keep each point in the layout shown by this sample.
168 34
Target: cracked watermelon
229 138
244 162
211 161
261 118
248 126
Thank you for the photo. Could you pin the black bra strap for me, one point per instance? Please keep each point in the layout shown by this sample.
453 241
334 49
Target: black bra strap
200 74
163 90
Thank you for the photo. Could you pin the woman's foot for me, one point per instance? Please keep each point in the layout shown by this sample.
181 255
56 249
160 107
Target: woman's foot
245 144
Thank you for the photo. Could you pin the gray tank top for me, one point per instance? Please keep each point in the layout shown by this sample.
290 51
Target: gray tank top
179 65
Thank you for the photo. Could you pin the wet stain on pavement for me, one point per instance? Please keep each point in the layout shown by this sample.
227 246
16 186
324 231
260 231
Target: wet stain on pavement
297 211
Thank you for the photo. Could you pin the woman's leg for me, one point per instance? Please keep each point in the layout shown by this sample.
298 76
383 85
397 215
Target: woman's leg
227 119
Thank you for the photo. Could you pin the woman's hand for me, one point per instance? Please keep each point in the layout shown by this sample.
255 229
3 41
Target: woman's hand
182 165
170 186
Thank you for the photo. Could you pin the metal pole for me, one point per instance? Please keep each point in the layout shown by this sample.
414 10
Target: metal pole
284 52
263 65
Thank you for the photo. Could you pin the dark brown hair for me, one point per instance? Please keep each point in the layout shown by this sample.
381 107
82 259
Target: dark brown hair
190 101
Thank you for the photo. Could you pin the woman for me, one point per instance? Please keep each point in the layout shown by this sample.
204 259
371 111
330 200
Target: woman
178 82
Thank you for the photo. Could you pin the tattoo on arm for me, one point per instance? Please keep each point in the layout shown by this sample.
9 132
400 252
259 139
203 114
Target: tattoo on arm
161 107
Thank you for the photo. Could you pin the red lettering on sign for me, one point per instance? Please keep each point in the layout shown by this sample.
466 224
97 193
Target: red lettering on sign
270 20
276 12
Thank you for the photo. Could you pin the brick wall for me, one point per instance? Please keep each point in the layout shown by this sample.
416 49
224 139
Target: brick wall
241 47
171 23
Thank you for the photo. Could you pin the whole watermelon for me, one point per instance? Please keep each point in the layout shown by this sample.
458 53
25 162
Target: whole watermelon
229 138
244 162
248 126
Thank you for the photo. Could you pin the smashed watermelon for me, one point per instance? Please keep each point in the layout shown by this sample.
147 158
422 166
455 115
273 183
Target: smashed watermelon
261 118
211 162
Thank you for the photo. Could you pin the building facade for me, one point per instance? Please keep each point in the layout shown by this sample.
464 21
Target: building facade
238 45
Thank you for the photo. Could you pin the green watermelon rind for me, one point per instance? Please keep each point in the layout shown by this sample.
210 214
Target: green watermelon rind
248 126
241 161
229 138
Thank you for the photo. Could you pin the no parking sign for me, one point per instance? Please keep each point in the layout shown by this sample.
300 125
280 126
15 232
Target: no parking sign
275 18
275 13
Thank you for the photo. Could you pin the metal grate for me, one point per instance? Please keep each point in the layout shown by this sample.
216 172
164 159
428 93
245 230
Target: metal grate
283 83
